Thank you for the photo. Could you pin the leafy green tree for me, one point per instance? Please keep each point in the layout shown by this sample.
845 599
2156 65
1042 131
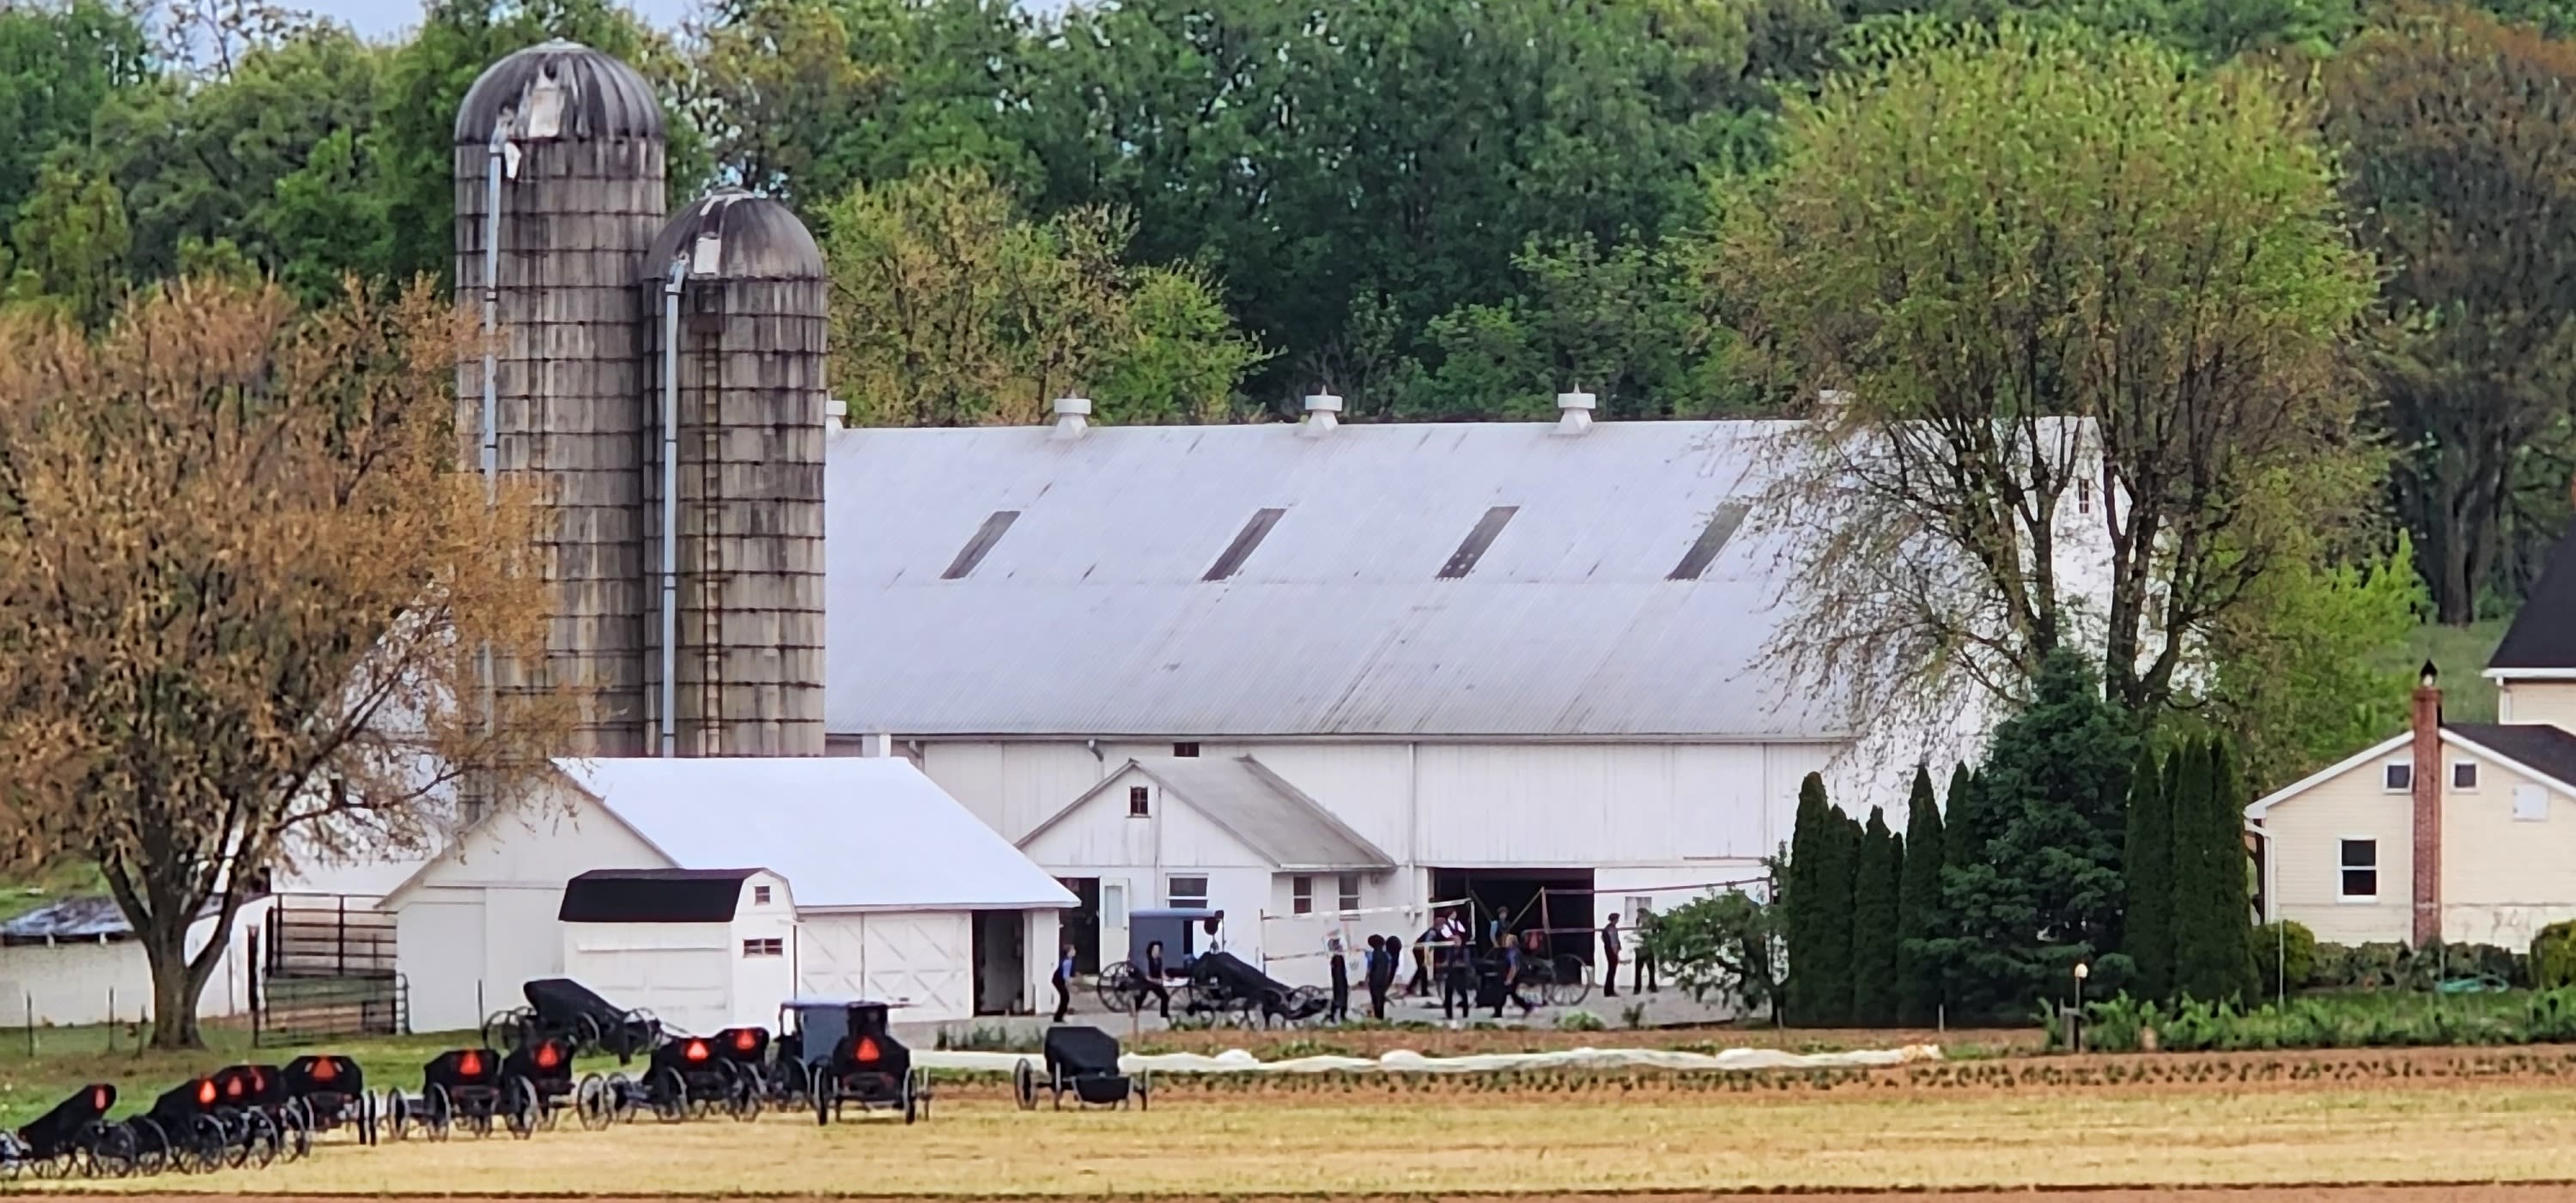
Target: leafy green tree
2460 128
2298 672
58 64
1957 238
950 308
1919 994
2043 893
1875 912
72 242
1723 946
2147 868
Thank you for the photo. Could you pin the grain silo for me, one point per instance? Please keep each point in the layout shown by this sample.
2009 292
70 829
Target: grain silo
737 409
559 190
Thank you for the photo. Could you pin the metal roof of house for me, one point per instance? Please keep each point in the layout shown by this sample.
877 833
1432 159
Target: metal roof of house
2543 635
847 833
1275 819
86 918
1087 609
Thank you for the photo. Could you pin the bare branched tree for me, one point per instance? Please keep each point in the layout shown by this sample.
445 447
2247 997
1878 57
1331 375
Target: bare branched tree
242 589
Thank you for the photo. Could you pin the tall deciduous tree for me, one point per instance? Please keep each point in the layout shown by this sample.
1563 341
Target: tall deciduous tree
2461 132
1875 915
2036 343
949 308
73 240
241 588
1919 995
58 64
2148 869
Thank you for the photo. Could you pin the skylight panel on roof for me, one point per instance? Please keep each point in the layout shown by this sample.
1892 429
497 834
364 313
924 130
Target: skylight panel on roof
1231 560
981 545
1712 540
1463 561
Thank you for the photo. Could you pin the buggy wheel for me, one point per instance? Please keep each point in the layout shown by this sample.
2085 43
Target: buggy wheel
507 1030
587 1036
1119 993
668 1095
49 1167
622 1097
1024 1085
115 1152
366 1112
910 1102
295 1129
151 1146
520 1096
260 1140
1306 1002
591 1101
637 1032
749 1092
205 1144
822 1091
398 1117
437 1112
1570 983
1144 1089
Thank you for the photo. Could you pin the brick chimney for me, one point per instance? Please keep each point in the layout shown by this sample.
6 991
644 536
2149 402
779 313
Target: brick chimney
2427 726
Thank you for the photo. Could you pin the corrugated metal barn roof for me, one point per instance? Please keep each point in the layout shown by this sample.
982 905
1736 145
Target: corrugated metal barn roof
1088 613
85 918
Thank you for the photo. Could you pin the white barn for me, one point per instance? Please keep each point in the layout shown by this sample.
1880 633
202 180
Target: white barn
882 887
1291 671
703 949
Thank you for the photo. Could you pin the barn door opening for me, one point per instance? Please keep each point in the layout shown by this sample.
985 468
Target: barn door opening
1000 961
1080 926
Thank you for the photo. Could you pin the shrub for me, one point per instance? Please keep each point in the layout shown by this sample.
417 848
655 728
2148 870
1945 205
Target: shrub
1579 1021
2553 956
2284 951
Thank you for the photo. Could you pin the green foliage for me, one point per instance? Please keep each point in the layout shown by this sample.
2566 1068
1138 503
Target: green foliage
72 242
58 64
1875 918
1818 927
2147 869
1919 994
1726 947
2285 957
2299 674
2553 956
2042 893
2212 912
2121 1024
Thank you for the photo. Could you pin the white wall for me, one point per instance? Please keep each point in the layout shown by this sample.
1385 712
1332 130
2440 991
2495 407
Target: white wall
70 983
694 977
920 960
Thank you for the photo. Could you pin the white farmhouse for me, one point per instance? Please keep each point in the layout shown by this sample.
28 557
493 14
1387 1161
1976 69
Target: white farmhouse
1294 671
834 878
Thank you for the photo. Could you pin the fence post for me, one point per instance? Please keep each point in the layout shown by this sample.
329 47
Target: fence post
30 999
111 1019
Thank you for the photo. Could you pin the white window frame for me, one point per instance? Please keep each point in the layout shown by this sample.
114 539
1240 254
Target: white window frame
1301 895
1346 893
2475 775
1140 802
2530 803
770 947
760 895
2389 768
2342 868
1179 899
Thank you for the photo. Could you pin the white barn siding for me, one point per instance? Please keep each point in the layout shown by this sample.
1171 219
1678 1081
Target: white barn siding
86 982
918 960
681 972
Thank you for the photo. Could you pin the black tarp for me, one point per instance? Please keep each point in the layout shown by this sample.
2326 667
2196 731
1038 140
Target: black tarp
1081 1050
653 896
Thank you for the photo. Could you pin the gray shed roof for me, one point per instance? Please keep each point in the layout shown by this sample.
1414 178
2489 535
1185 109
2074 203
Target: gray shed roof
1256 806
85 918
1087 612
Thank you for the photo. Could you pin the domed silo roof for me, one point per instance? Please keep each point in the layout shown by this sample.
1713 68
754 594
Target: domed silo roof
734 235
559 89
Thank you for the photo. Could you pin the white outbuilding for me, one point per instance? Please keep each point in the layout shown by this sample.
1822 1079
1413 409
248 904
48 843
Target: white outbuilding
709 890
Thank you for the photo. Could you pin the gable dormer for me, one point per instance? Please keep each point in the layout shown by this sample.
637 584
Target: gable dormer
2535 667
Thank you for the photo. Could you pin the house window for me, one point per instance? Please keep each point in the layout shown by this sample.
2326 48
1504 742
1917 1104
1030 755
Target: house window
2397 776
1139 802
1185 750
760 895
1301 895
2361 870
764 948
2464 776
2084 496
1185 893
1348 886
2530 804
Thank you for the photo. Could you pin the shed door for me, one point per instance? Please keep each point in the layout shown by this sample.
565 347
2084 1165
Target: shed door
1113 920
925 960
439 946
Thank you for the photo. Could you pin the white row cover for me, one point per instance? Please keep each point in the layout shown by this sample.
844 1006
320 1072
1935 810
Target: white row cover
1234 1061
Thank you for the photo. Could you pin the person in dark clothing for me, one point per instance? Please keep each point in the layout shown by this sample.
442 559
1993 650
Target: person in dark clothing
1610 956
1420 986
1340 1011
1458 985
1646 981
1063 982
1377 975
1511 962
1153 978
1394 963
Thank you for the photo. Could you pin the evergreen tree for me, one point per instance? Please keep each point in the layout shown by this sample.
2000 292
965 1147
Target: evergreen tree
1820 903
2231 881
2199 914
1918 907
1807 855
2148 865
1874 919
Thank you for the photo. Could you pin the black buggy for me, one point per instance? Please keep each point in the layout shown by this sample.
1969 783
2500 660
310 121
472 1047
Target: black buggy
1222 983
1084 1061
75 1138
463 1088
540 1075
562 1009
256 1097
687 1078
847 1057
331 1091
203 1130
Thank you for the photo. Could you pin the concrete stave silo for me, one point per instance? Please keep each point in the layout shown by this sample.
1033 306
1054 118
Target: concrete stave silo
559 166
739 296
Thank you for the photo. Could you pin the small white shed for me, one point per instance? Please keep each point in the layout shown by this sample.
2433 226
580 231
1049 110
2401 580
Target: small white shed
880 886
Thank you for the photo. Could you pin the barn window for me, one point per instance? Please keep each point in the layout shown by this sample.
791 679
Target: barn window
760 895
764 948
1301 895
2397 776
2360 870
1488 528
1139 802
1348 887
1185 893
1185 750
982 544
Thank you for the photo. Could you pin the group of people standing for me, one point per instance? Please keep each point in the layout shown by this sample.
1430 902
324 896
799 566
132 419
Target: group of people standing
1445 951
